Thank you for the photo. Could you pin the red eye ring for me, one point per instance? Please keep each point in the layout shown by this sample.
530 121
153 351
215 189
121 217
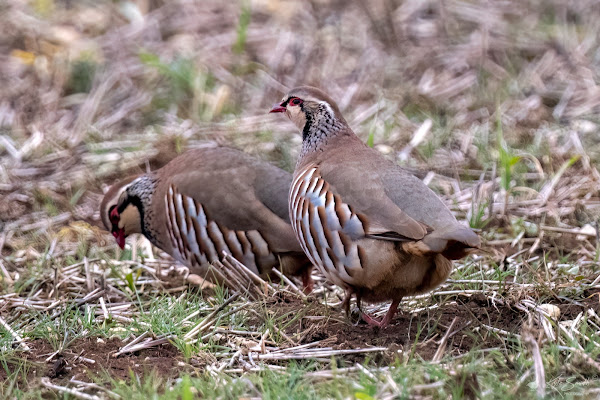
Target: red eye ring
114 215
295 101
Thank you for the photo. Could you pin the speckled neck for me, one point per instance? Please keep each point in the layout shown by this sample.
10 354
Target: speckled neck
321 125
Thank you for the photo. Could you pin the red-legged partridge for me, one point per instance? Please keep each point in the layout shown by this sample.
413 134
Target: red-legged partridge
369 226
209 201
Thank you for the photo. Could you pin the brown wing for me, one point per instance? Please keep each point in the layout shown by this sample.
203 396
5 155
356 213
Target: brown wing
396 205
228 185
362 188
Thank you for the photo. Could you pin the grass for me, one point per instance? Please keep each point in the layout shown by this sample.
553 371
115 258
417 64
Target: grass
428 379
82 76
484 372
242 28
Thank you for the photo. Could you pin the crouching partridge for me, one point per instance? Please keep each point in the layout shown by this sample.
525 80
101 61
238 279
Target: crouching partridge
206 202
368 225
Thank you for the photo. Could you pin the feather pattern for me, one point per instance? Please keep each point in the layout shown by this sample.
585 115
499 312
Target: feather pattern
198 239
326 227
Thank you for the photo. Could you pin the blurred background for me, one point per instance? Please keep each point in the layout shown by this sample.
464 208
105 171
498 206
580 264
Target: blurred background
499 96
494 104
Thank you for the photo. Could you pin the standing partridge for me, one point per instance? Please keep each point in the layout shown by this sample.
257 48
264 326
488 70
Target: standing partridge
369 226
209 201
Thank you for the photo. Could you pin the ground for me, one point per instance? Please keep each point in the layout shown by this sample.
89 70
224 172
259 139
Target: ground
493 105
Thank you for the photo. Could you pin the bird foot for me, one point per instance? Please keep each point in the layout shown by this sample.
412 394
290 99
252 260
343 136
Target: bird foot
354 316
386 320
373 322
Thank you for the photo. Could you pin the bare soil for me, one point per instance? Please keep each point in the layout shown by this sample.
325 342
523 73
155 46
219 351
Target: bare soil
318 323
471 313
162 359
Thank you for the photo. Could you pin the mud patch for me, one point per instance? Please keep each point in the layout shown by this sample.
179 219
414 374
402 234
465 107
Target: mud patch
479 323
421 333
92 356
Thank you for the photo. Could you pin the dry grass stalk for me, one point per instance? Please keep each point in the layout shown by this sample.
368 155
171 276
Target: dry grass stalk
94 386
15 335
209 319
263 287
538 365
70 391
291 284
443 342
131 348
303 354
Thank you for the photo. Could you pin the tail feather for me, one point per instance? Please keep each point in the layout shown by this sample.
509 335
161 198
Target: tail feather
454 242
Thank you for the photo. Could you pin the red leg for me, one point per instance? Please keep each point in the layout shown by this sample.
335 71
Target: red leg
386 320
346 302
307 281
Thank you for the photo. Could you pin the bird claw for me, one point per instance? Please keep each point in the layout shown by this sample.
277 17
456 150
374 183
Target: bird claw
354 316
373 322
386 320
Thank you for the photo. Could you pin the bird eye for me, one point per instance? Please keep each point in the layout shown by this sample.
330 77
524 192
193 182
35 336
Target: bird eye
296 101
113 215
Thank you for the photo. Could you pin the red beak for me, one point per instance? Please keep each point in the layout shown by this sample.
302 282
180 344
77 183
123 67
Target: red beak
119 235
277 108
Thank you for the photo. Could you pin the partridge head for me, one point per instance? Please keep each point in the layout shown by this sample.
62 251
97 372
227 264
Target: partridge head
368 225
208 202
124 223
